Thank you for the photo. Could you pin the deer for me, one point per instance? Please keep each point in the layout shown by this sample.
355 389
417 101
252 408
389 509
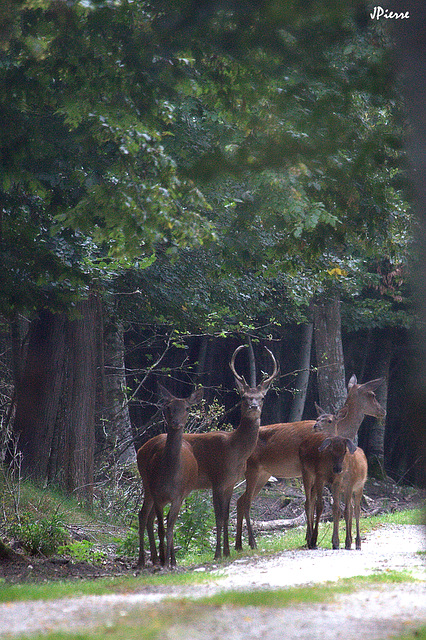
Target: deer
169 472
222 455
322 459
277 450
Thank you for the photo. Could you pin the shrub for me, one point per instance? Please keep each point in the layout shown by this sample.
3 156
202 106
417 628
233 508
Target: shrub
39 536
195 524
129 547
83 551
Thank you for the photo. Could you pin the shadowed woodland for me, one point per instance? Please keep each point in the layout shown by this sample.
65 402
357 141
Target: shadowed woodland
179 179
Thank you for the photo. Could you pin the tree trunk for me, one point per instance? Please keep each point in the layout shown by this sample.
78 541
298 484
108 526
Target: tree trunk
38 392
79 423
382 354
329 354
302 379
116 418
55 412
252 364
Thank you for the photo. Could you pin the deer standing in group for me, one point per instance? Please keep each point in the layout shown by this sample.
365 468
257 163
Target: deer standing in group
214 460
169 473
337 461
277 449
222 455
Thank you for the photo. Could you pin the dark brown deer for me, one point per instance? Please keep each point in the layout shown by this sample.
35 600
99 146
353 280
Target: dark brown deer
222 455
277 450
322 459
169 473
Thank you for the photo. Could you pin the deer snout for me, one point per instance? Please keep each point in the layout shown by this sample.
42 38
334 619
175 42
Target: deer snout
254 405
338 466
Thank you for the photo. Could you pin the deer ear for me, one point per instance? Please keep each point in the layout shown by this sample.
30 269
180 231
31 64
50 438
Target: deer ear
372 385
325 444
164 393
351 446
352 381
342 413
319 410
196 396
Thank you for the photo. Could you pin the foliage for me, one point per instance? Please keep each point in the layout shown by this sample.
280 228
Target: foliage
142 130
129 546
194 527
39 535
87 185
83 551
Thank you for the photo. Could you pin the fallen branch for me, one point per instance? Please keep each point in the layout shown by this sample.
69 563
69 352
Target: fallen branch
283 523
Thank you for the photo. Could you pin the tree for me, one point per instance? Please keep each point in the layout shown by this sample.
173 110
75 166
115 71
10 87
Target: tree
143 131
55 412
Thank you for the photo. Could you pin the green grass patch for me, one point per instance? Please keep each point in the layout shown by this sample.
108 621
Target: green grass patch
100 586
148 631
156 620
295 538
304 594
418 634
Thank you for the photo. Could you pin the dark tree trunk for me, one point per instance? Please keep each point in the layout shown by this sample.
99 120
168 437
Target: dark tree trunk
302 379
80 391
38 393
252 364
55 411
383 353
329 354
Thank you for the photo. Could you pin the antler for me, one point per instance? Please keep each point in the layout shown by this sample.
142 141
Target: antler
268 380
232 365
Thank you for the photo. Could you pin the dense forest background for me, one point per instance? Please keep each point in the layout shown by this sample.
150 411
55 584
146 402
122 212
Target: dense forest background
178 178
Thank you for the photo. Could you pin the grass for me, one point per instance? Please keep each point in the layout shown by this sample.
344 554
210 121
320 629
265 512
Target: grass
267 545
100 586
44 503
155 621
301 595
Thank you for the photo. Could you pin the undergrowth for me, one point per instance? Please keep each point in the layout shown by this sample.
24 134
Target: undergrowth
46 522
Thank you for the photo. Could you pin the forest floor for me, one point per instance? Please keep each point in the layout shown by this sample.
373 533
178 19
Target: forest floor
373 611
278 506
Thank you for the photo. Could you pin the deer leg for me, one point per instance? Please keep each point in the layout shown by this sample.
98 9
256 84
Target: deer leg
357 503
161 534
218 504
240 515
143 519
348 521
170 559
151 536
227 502
317 491
336 514
254 483
309 507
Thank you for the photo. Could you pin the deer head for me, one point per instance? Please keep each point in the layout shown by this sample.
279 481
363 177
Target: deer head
175 410
252 398
325 421
364 397
337 447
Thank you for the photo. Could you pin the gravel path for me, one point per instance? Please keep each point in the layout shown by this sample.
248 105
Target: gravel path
368 614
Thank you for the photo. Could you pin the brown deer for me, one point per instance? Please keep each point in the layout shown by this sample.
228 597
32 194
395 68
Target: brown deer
169 472
222 455
322 459
277 449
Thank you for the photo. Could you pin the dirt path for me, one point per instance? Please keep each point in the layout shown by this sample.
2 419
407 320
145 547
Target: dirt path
369 614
